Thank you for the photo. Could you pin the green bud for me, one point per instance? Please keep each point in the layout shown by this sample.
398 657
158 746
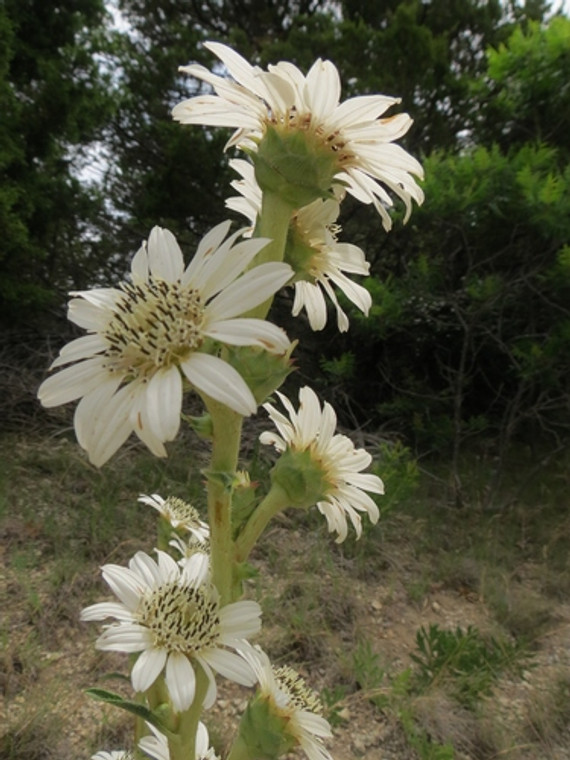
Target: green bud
300 477
295 166
263 371
264 731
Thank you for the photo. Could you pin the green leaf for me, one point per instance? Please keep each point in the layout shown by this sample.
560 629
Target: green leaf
136 708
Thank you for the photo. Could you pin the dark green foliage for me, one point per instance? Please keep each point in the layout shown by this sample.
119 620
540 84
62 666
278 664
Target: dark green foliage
469 331
54 103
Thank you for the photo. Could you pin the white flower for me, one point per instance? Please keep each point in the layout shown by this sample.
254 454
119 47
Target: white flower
293 701
312 429
179 514
146 335
359 141
157 745
172 616
317 258
115 754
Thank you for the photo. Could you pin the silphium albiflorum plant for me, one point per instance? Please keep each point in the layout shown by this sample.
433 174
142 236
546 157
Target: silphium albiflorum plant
201 327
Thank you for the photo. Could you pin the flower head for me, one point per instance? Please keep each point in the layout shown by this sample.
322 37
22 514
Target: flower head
285 701
310 433
116 754
354 138
164 325
313 251
172 616
179 514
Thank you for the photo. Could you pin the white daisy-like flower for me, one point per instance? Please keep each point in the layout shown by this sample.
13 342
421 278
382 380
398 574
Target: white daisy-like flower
312 430
172 616
145 336
115 754
359 139
179 514
291 699
317 258
156 746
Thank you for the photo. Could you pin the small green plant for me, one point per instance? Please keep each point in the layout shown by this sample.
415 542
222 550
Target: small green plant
332 700
368 672
470 662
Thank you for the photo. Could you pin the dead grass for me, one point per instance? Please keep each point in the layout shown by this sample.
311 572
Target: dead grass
333 612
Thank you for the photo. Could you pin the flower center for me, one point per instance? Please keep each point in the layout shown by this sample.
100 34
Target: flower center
295 120
181 618
185 514
155 325
302 697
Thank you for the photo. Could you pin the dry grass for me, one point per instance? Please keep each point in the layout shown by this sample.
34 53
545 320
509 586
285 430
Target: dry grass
334 612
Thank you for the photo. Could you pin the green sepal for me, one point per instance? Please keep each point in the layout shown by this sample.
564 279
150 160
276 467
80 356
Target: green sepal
300 477
244 502
136 708
263 371
299 255
264 732
226 479
202 425
295 166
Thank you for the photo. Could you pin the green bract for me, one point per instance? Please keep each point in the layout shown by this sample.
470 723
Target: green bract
263 372
300 477
264 732
295 166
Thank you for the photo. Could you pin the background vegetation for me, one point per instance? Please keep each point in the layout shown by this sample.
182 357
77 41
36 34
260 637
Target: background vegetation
469 337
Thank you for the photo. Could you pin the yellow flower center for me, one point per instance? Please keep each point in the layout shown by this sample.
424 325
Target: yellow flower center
155 325
181 618
302 697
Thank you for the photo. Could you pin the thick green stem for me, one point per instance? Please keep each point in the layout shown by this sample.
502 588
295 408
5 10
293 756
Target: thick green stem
272 222
182 745
275 501
226 438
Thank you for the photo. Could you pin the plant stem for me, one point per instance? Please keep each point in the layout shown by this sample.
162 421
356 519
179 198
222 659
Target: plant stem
272 222
226 440
275 502
182 746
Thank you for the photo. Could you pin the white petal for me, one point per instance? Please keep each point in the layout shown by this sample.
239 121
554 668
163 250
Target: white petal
249 332
164 400
249 290
146 568
139 265
124 637
80 348
103 610
230 666
240 620
127 585
221 381
73 382
147 668
180 680
165 258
